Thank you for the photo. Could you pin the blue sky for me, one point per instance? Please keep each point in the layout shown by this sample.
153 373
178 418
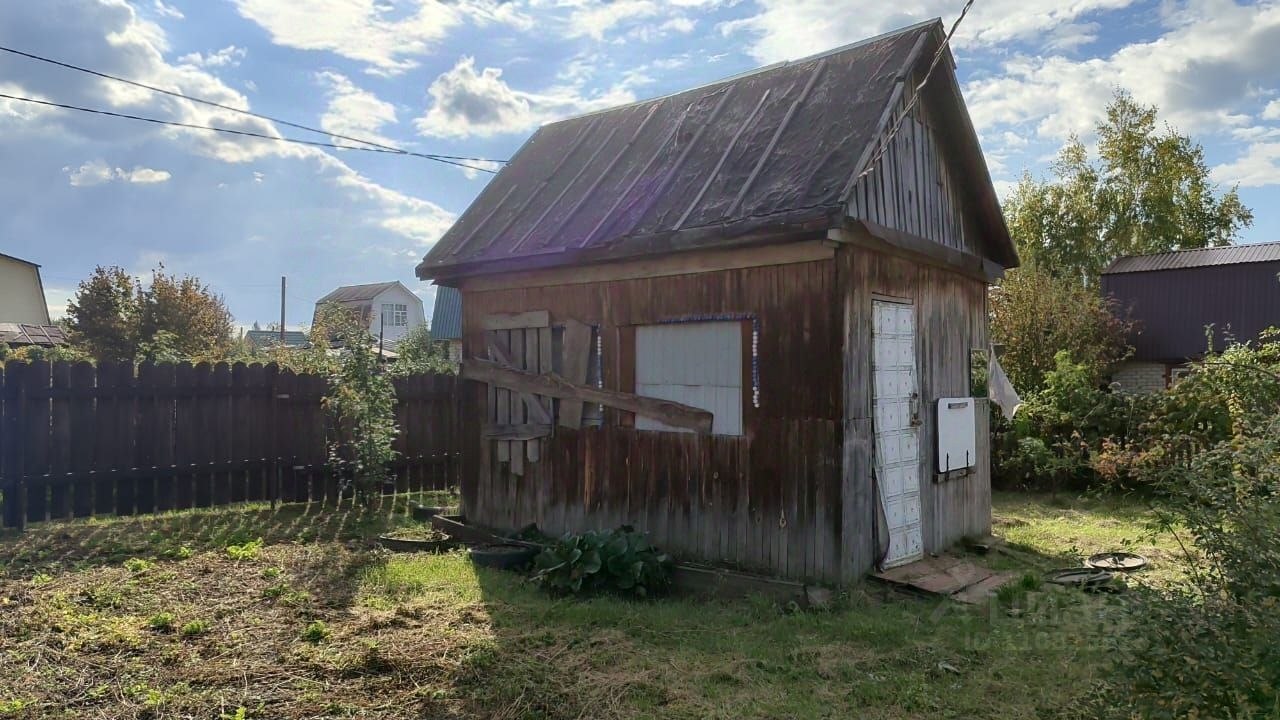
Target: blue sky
474 77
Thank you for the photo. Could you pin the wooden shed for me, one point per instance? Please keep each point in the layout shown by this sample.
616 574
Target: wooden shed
740 317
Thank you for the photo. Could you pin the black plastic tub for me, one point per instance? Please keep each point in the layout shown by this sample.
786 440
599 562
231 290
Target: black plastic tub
410 545
503 556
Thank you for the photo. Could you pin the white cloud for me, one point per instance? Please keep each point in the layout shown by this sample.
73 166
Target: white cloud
56 300
353 111
595 19
475 168
1256 166
1204 72
167 11
229 56
788 29
468 102
17 110
1271 111
97 172
387 36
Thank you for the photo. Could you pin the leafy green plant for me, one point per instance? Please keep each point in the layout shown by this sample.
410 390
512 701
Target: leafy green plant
1207 648
245 551
619 560
316 631
361 400
138 565
194 628
162 622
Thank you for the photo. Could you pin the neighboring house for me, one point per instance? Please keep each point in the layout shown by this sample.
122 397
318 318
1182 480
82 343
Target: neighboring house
390 309
21 292
744 261
1175 296
446 320
262 339
24 313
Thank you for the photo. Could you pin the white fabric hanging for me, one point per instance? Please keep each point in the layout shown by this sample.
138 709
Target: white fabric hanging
999 389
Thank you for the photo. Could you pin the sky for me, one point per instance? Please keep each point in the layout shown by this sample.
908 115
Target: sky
475 77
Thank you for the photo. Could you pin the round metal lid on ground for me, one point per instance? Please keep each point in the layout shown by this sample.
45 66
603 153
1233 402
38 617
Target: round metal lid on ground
1116 561
1087 578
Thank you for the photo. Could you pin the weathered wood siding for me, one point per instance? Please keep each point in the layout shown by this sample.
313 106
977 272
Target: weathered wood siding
768 500
913 187
951 319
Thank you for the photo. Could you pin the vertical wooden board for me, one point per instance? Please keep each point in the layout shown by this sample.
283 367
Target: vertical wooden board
515 347
286 438
35 425
11 459
104 441
222 437
125 422
146 412
259 432
575 362
81 408
239 407
204 449
186 430
60 441
163 435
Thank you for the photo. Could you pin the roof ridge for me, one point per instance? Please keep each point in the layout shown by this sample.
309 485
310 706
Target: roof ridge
1232 246
756 71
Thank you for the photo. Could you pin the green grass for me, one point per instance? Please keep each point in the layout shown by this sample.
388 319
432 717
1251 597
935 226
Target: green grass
321 624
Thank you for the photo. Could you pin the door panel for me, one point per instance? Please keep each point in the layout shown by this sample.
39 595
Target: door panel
897 447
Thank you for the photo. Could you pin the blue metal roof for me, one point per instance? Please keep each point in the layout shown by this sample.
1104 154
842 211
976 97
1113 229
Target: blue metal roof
446 314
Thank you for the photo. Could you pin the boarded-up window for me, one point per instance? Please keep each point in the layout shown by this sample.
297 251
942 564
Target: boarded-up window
694 363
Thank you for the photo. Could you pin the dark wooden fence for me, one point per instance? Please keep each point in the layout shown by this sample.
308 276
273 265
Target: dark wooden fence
78 439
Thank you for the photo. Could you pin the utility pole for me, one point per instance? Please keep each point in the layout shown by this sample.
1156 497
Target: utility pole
282 311
382 329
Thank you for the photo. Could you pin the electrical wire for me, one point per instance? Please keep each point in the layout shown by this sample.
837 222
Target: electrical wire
915 96
221 106
243 133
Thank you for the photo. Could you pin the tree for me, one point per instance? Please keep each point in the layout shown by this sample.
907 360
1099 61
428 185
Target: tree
196 318
1148 191
418 352
1035 315
103 316
113 317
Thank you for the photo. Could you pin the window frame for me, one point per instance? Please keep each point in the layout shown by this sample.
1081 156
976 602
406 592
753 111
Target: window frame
399 314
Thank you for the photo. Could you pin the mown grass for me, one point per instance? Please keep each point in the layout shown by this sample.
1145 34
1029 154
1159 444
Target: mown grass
94 621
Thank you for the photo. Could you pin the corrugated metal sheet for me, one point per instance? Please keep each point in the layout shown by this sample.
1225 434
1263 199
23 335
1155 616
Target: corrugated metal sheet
770 151
446 314
1203 257
271 338
357 293
1173 307
24 334
698 364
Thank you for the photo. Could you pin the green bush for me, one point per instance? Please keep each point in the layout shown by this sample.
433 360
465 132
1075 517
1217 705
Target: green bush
1207 648
619 560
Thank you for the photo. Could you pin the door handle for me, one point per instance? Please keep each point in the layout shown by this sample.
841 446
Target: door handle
915 409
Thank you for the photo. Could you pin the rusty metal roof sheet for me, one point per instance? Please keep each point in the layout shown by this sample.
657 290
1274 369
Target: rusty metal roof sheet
357 293
770 149
1203 257
25 334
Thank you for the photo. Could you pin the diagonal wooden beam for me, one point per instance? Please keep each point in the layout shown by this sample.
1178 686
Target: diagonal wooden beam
666 411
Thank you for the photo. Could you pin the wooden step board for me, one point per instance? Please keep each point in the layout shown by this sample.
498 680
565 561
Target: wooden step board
946 576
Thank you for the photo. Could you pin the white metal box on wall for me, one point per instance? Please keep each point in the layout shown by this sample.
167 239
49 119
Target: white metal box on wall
957 434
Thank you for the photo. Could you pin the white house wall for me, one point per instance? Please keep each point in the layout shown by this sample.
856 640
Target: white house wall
401 296
21 299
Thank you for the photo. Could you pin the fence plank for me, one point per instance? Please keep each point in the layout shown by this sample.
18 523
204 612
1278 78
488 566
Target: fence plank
186 430
36 438
163 383
60 440
147 421
15 505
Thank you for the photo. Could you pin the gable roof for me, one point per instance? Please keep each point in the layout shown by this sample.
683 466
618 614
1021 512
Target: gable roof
27 334
271 338
357 293
446 314
774 150
1201 257
18 259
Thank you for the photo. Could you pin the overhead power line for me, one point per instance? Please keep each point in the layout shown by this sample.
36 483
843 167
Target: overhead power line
371 144
243 133
915 96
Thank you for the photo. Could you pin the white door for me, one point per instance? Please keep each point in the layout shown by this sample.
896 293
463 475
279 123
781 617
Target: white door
696 363
896 399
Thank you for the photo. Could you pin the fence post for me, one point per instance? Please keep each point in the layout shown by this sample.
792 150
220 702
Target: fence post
273 372
15 508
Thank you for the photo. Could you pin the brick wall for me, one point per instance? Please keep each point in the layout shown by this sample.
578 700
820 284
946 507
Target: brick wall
1140 377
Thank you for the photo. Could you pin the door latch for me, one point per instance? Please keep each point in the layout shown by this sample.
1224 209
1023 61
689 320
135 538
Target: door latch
915 409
